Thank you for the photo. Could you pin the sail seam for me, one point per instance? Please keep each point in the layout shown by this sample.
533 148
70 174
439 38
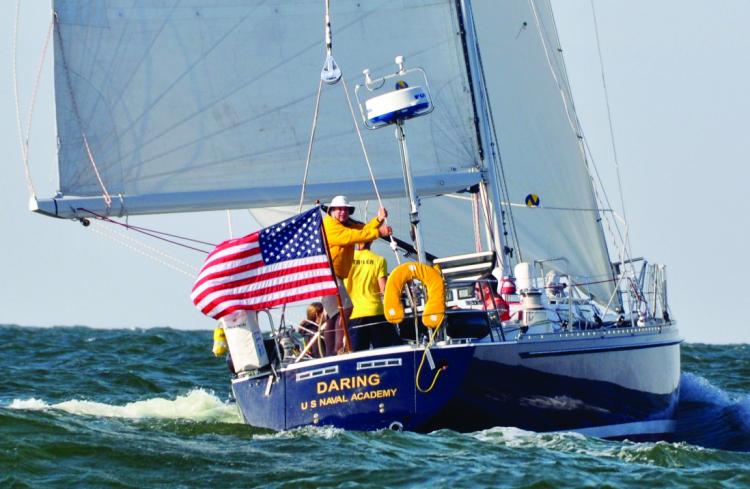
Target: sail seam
107 198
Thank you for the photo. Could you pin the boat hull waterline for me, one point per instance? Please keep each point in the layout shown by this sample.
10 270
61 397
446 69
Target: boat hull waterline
620 383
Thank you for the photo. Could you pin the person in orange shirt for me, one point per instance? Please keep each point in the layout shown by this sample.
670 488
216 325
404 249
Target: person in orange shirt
342 235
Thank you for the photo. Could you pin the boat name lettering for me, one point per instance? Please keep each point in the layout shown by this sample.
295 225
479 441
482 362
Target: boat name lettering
346 383
342 398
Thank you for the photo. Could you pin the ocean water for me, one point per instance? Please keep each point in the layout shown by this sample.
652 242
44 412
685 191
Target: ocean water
149 408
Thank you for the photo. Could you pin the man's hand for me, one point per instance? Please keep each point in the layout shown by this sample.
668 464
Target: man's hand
384 230
382 214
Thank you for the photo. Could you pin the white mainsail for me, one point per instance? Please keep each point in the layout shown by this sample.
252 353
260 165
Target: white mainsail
174 106
189 105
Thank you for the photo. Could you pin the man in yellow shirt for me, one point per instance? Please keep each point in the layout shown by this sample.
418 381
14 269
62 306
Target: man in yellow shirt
366 285
341 236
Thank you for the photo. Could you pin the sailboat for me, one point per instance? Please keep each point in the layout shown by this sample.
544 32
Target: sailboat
175 106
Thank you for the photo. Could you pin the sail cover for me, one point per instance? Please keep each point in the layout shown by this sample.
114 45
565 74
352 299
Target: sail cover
538 140
200 99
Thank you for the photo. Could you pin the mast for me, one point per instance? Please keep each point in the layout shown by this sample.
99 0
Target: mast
410 195
482 122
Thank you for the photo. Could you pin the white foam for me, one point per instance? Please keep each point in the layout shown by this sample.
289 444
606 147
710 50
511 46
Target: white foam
196 405
694 388
323 432
32 404
508 435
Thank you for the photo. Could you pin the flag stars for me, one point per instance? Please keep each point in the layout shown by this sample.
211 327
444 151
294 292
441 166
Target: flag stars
295 238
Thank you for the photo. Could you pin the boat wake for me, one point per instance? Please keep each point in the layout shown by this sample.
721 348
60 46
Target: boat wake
707 416
710 417
197 405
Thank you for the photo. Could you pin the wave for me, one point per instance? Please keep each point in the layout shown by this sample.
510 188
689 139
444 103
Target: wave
711 417
197 405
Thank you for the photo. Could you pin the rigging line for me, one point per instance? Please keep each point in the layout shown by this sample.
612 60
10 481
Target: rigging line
486 211
587 149
24 136
310 145
551 68
361 142
550 208
153 235
606 197
475 222
499 169
572 118
367 160
609 113
156 251
142 252
229 224
107 198
140 228
21 138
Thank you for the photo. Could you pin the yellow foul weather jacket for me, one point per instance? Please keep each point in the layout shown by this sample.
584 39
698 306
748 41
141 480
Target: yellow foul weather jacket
341 240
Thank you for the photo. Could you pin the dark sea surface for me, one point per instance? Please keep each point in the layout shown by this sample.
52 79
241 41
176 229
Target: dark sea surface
82 407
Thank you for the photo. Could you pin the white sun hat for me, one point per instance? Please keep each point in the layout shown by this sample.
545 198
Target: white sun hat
340 201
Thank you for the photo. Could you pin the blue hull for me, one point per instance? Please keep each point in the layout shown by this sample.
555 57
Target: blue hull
618 383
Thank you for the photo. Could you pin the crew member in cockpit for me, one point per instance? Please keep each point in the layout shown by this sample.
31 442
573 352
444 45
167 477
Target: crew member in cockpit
342 235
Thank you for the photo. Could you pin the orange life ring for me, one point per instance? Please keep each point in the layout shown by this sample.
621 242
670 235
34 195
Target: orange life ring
434 309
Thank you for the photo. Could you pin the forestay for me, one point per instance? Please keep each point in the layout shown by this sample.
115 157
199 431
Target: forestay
538 139
193 105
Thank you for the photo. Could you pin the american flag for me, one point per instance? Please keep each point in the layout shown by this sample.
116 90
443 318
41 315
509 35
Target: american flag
284 263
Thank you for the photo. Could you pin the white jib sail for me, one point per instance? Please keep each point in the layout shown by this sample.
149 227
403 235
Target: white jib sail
539 144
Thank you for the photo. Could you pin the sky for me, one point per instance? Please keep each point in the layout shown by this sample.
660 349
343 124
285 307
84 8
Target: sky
677 79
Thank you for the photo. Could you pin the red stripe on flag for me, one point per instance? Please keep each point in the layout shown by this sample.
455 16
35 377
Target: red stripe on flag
250 238
267 290
259 278
276 302
228 273
245 253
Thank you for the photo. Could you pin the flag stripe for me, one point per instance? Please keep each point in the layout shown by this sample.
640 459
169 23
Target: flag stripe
228 269
284 263
231 243
275 302
236 255
254 280
256 290
287 290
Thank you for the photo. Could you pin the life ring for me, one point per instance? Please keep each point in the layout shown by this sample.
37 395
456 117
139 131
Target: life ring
434 309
